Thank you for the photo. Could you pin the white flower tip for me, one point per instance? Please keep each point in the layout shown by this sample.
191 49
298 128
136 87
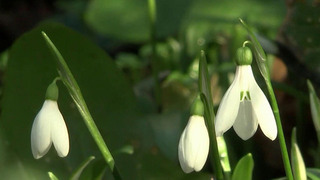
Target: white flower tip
194 145
37 155
63 150
219 132
272 135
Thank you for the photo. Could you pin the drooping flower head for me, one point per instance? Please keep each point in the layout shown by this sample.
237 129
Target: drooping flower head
244 106
194 142
49 127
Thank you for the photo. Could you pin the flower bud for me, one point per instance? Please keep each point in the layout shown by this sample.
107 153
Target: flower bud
194 145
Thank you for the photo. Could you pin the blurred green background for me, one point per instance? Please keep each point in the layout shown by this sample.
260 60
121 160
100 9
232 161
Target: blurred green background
106 44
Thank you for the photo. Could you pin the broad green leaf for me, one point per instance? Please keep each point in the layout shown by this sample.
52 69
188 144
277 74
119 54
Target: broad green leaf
110 99
128 20
31 67
313 173
77 173
298 167
244 168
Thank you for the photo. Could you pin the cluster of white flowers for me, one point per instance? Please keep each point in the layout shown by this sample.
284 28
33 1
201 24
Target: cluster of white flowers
244 106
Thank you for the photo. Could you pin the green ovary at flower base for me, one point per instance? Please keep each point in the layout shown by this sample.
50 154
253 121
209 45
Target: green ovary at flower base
244 106
49 127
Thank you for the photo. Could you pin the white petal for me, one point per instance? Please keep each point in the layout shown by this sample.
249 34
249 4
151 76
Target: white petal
229 107
246 123
262 110
182 156
59 132
40 132
194 145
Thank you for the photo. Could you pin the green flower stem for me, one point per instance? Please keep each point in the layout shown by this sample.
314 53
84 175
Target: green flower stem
282 141
155 71
206 97
261 59
74 91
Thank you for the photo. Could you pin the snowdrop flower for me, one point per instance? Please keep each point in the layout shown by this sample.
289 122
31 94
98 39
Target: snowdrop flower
194 145
49 127
244 105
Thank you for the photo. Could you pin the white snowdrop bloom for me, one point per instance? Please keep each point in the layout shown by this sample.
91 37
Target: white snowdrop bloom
194 145
49 127
244 105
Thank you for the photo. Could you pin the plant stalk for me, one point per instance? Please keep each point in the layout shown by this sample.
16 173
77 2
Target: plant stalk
282 141
155 72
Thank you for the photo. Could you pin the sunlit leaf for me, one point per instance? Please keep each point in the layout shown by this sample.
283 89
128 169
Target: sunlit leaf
52 176
298 167
244 168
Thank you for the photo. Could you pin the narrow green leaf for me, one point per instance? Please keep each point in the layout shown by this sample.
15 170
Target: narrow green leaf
52 176
206 97
76 95
258 52
298 167
315 108
77 173
204 81
64 71
127 149
244 168
313 173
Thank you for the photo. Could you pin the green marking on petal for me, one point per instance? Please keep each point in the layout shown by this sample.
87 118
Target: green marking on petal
248 95
245 95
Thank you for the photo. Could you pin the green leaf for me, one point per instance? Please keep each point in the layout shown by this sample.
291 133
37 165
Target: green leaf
206 97
128 20
298 167
259 53
77 173
244 168
315 108
95 171
31 67
204 82
52 176
313 173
